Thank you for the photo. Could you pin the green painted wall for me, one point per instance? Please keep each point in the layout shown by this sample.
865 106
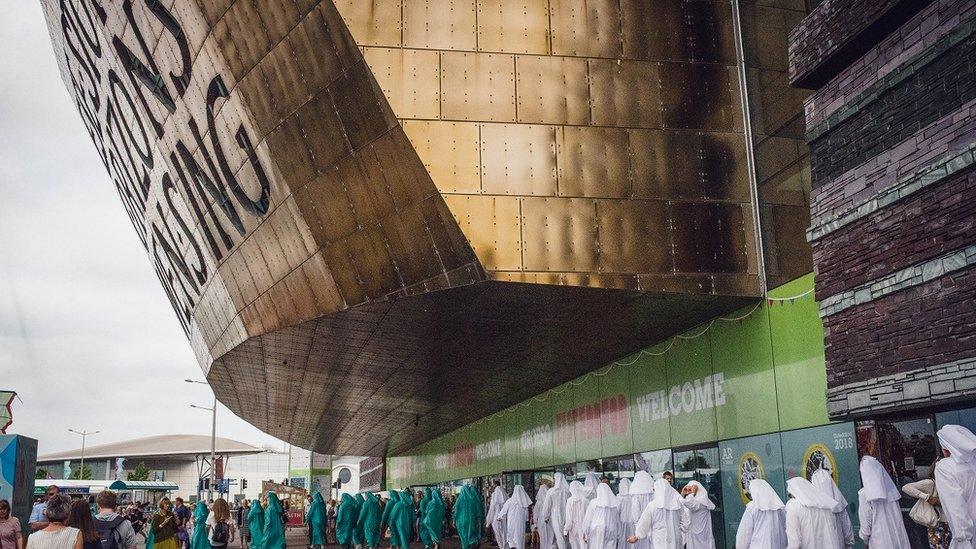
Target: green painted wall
756 371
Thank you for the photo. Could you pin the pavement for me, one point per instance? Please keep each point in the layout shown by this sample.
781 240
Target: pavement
298 538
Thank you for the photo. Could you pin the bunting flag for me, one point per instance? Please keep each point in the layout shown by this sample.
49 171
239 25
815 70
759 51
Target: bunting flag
6 413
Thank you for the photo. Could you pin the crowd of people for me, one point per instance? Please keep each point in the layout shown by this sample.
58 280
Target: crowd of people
644 513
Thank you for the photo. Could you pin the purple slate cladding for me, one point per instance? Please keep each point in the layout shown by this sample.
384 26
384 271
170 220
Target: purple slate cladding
838 32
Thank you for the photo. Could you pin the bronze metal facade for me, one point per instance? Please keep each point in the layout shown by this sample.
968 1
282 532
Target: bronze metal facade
379 220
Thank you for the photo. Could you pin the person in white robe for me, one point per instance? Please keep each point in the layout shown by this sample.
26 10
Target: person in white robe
515 513
824 482
554 509
696 523
590 483
955 482
542 527
494 518
810 520
627 520
601 525
878 508
641 494
763 524
575 513
661 519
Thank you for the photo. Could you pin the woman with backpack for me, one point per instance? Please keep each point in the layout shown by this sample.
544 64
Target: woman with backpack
220 527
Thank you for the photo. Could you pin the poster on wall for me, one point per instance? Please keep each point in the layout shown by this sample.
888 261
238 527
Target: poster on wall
745 459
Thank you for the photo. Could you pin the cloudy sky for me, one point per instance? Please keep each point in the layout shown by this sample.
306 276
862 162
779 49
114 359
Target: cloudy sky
87 337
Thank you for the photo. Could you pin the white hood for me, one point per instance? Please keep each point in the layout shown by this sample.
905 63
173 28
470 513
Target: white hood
623 488
702 495
559 482
590 484
877 482
643 484
605 497
521 498
808 495
825 483
959 441
763 495
665 496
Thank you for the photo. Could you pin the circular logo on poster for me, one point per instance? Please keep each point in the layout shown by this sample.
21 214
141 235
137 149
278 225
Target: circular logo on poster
750 467
819 457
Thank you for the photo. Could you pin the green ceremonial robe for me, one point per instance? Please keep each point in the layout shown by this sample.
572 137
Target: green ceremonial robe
357 530
469 515
316 519
421 512
369 520
255 524
199 539
274 528
401 521
346 521
433 521
388 509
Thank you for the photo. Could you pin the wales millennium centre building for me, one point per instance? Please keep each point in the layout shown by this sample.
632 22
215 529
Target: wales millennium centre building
481 239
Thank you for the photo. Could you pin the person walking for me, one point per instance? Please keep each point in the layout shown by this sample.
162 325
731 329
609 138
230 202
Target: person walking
514 514
824 482
661 519
346 522
498 499
220 527
255 525
56 535
385 518
243 525
80 517
469 514
183 518
200 515
955 481
164 527
10 534
542 527
554 509
316 520
641 493
696 521
401 521
601 524
575 513
273 534
626 521
369 520
810 522
433 521
939 535
763 524
878 508
37 520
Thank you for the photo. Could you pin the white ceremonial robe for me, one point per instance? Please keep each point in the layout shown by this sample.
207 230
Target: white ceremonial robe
542 526
881 523
810 527
955 483
554 510
494 519
697 524
661 526
639 502
601 527
760 529
575 513
627 521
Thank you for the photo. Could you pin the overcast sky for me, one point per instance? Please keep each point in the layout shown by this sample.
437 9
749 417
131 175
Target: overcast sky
87 337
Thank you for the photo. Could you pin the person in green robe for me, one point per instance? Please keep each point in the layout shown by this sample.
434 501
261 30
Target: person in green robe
421 511
433 521
316 520
358 531
199 539
346 521
469 515
392 499
401 521
273 534
369 520
255 524
151 538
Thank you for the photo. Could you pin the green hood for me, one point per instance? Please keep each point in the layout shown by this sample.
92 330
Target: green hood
346 518
369 520
315 517
255 523
274 528
469 515
433 520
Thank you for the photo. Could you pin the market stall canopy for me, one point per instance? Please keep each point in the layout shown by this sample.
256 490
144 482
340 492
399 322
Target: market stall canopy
145 485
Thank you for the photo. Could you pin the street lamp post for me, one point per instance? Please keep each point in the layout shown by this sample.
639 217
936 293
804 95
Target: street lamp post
213 438
84 434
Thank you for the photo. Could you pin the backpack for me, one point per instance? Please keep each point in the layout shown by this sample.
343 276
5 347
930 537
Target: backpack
106 530
220 534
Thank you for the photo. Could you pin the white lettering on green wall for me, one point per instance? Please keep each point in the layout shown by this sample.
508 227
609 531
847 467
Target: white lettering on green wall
490 449
691 396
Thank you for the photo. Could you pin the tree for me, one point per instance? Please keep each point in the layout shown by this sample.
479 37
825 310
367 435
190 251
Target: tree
40 474
141 472
81 474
